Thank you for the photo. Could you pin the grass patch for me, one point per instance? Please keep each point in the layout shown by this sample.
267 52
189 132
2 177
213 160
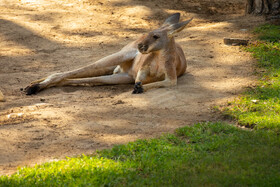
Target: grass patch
206 154
260 107
270 33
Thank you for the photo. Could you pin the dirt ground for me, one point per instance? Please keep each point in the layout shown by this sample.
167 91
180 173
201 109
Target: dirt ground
41 37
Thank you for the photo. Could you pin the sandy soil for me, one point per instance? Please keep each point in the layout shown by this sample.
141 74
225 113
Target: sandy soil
38 38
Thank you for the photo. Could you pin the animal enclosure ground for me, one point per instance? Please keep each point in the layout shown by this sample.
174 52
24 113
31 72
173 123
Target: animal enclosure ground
38 38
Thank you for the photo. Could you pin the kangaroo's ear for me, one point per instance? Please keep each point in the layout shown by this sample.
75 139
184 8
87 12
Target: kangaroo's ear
173 19
172 29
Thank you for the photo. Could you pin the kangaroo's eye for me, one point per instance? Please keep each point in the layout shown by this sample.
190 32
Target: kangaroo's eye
156 37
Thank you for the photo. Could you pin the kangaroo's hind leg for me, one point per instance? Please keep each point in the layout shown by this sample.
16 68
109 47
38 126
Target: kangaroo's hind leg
101 67
120 78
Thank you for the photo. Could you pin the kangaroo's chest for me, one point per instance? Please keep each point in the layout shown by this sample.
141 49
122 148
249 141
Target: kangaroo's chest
150 63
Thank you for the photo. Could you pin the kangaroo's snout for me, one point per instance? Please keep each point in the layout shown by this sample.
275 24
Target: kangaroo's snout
142 47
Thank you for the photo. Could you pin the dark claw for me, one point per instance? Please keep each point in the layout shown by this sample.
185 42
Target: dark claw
138 89
33 89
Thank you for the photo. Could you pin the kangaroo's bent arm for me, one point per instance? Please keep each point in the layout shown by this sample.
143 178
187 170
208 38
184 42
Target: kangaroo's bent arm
169 80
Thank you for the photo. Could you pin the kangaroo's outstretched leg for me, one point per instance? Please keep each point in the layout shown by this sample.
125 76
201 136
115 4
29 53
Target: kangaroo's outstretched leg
121 78
94 73
100 67
55 79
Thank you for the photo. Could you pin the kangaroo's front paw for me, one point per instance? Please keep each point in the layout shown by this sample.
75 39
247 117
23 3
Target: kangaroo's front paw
33 89
138 89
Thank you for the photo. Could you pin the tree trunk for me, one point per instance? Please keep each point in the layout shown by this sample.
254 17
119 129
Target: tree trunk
260 7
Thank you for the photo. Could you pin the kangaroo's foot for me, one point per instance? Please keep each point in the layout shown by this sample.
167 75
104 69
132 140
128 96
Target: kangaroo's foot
32 89
138 89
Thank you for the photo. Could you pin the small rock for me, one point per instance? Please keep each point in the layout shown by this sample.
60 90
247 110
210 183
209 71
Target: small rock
235 41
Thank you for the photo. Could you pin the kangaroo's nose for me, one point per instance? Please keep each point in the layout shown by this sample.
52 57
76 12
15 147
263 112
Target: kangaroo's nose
142 47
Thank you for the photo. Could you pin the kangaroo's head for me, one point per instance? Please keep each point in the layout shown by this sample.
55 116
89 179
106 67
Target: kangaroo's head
158 39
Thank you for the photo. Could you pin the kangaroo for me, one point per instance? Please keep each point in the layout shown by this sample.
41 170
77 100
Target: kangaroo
152 61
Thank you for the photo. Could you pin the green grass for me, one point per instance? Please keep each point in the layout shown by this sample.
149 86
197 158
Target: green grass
270 33
260 107
206 154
